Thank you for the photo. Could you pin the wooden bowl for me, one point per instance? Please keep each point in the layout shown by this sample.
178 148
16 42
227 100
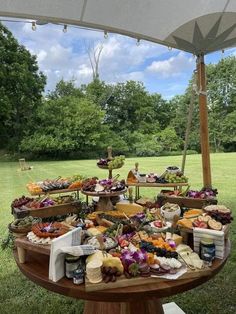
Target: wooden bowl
21 231
106 167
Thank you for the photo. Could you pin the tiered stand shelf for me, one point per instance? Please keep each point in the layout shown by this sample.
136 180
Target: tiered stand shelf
56 192
104 202
109 156
154 185
60 209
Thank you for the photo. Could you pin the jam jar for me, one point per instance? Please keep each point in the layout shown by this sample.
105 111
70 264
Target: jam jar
71 264
78 276
207 251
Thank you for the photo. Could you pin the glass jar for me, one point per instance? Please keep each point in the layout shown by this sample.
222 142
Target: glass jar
207 251
78 276
71 264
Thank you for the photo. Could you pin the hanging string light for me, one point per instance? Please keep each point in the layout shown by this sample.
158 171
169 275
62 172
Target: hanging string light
222 51
105 34
33 26
42 22
169 48
65 28
138 42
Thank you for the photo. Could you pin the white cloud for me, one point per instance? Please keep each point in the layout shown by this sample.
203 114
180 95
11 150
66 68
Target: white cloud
174 66
41 56
63 55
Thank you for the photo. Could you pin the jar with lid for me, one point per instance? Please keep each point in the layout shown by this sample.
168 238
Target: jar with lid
71 264
207 251
78 276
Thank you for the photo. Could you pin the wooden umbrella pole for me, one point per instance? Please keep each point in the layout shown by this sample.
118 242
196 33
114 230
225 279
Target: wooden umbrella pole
189 121
203 114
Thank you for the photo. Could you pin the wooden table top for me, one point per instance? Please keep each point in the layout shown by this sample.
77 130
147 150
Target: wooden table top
36 269
147 184
104 194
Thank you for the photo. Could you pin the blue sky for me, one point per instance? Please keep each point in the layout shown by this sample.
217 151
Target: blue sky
64 55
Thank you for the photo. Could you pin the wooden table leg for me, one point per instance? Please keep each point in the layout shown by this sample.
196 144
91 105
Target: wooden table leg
104 204
135 307
21 254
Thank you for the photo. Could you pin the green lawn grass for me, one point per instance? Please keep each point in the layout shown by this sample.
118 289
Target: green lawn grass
19 295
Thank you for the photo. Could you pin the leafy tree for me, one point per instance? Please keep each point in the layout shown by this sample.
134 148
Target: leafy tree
229 132
64 89
98 92
21 86
180 105
163 110
65 125
132 108
146 144
221 101
111 138
168 139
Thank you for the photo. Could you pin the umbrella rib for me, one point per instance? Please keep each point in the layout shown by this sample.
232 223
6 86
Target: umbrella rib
83 10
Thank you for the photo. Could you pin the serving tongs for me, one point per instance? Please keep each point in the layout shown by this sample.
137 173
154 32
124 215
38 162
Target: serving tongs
136 229
99 237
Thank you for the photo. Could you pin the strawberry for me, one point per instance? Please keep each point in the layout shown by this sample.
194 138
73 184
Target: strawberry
124 243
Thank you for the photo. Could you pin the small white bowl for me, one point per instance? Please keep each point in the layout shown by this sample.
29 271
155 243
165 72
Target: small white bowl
173 171
170 215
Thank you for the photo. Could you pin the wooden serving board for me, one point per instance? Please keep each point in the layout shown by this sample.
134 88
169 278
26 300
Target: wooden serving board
103 194
49 211
122 281
225 229
25 244
54 191
185 201
148 185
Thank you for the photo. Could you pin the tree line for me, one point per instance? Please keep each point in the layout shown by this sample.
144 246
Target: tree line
80 122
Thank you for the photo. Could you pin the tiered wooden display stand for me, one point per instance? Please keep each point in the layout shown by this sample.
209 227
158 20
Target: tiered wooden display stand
104 202
109 156
152 185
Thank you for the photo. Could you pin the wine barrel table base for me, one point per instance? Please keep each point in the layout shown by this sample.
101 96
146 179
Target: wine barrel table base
137 307
140 299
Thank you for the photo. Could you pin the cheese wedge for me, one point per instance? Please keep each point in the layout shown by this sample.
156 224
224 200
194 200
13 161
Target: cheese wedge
178 239
129 208
93 232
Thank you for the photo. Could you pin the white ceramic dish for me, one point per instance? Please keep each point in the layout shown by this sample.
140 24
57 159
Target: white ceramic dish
168 225
172 170
169 215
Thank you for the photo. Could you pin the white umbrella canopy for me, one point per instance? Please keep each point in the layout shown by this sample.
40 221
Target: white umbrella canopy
195 26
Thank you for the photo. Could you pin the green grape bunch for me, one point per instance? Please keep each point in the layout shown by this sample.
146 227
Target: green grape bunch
176 178
116 162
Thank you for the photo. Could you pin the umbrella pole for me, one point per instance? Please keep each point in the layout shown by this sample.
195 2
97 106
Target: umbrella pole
203 114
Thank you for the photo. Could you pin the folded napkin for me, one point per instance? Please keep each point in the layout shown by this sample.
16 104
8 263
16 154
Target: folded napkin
67 243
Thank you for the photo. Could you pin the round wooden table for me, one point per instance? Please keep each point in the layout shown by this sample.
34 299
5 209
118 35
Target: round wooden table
142 299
